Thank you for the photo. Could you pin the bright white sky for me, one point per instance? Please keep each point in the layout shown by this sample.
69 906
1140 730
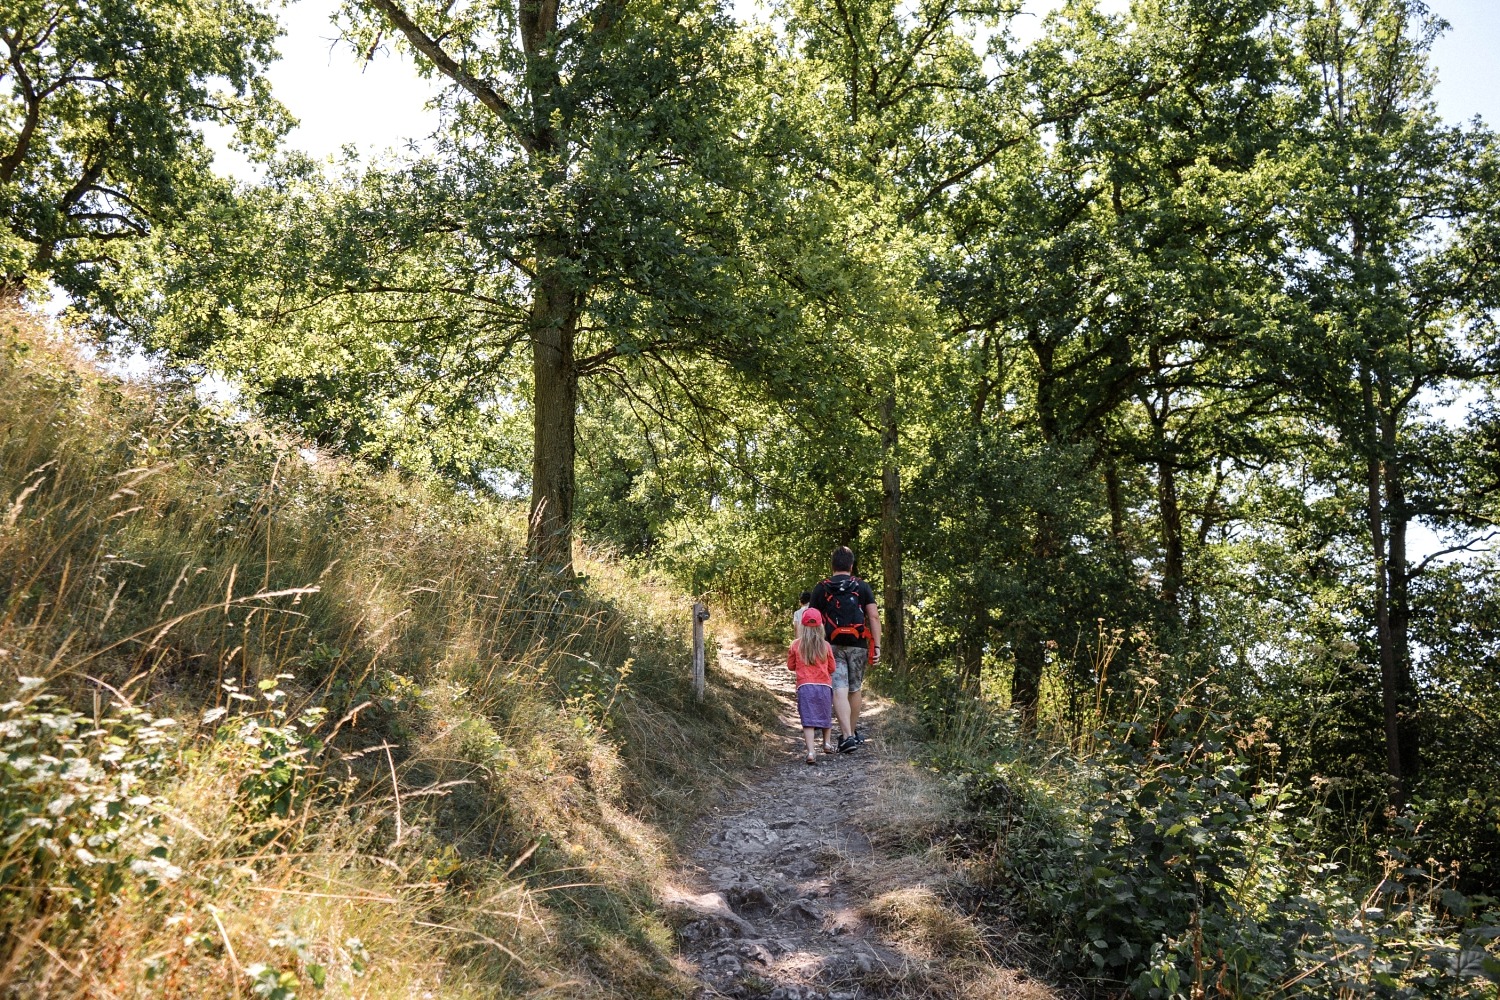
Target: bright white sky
378 106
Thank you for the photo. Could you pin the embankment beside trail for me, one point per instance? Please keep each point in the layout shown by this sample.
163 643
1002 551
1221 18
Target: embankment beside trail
273 726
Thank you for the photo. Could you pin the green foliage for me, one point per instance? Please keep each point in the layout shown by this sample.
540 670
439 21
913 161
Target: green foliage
101 105
276 750
1122 359
1171 812
1169 862
88 812
81 806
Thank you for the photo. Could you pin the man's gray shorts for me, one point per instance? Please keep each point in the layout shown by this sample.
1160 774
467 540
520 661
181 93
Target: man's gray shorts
849 667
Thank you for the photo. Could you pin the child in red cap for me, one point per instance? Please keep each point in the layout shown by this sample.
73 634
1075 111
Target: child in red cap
811 659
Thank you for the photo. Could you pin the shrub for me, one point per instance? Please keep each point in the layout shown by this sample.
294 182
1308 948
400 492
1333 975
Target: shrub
1169 865
78 815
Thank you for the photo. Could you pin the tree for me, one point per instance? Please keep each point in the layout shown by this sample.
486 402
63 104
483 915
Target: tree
599 159
1391 274
1104 270
348 306
99 122
910 109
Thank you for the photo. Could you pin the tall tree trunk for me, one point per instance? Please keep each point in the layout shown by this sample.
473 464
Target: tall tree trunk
893 631
1399 602
1026 682
1028 636
1171 530
847 526
554 323
1159 407
1116 501
1390 681
971 658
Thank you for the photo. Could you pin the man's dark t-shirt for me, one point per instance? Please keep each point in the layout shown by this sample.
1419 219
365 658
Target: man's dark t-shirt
820 600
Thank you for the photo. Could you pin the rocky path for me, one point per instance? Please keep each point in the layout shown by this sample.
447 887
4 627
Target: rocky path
814 883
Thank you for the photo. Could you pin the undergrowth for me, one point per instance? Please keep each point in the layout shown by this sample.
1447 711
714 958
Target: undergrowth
274 724
1164 855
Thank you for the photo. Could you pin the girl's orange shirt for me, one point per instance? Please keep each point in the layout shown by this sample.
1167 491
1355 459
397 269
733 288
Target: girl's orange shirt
810 673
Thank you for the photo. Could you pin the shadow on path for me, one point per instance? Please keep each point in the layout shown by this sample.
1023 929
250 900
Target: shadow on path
823 883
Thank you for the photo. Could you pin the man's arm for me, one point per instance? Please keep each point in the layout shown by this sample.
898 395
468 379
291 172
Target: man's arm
872 621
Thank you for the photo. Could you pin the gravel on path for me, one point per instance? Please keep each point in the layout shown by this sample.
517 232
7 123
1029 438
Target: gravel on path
783 892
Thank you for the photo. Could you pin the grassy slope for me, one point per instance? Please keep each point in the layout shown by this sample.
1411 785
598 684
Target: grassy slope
482 808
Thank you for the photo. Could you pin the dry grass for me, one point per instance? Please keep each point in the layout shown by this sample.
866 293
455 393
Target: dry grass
924 924
481 811
911 809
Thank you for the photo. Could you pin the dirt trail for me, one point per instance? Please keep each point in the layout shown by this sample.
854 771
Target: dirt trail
822 883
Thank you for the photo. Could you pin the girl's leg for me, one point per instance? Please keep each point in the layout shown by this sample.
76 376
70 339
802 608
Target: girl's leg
807 734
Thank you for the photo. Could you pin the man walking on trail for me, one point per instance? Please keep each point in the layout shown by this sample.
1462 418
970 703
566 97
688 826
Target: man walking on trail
851 622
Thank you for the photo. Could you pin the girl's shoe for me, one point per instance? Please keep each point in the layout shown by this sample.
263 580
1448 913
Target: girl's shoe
812 760
830 748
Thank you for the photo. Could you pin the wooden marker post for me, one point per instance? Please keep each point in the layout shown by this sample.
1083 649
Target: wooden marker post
700 615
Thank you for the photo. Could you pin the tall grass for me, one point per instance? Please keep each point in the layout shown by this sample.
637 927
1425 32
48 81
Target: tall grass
397 763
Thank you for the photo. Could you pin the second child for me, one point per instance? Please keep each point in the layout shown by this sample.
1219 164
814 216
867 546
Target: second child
811 659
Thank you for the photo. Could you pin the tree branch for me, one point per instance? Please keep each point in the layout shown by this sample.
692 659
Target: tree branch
482 90
1468 546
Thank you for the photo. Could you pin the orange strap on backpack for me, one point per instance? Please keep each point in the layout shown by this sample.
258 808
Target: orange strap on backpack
858 631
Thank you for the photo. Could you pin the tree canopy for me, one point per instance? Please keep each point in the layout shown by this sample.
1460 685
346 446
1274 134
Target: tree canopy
100 112
1153 359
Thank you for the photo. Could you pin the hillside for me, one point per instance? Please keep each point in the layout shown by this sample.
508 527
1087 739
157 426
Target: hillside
276 724
1140 357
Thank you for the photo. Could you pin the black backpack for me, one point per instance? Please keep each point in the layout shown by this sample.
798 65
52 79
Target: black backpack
844 617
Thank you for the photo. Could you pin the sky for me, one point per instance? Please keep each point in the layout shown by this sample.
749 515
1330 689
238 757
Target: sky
341 100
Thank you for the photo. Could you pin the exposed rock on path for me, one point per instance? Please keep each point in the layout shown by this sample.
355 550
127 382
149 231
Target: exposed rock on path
822 883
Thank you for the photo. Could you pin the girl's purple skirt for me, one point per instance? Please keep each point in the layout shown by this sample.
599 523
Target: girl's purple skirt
815 705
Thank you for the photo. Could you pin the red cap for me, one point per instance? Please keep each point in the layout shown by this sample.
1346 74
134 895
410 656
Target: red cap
811 618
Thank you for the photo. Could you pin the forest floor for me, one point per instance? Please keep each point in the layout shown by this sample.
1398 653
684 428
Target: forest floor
835 882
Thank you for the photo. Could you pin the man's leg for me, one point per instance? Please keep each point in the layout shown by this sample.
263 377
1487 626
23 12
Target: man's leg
857 657
841 695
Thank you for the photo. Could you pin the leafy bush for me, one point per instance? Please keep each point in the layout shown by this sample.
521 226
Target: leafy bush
79 817
1169 864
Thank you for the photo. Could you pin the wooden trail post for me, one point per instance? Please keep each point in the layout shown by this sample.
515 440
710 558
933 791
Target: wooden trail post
700 615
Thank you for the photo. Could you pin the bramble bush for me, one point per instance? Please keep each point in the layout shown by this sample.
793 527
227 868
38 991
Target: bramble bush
79 818
1198 874
1171 865
82 809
